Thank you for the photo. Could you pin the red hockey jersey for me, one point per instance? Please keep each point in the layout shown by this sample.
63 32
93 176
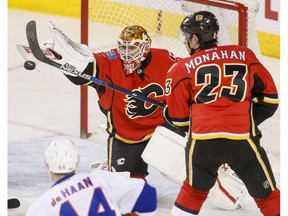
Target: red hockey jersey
225 91
131 119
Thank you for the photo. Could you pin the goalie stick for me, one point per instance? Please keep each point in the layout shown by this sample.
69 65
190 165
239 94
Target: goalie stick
32 38
13 203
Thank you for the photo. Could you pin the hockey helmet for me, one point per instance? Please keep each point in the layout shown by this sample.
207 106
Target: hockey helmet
133 47
61 156
204 24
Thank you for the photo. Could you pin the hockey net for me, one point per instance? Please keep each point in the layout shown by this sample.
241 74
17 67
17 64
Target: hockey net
103 20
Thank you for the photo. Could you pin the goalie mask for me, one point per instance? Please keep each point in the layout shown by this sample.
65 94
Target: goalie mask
133 47
61 156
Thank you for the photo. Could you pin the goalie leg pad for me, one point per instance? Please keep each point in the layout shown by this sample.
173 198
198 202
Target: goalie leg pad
229 190
103 165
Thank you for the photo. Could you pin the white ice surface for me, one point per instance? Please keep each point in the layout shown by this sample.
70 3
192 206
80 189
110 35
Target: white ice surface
44 105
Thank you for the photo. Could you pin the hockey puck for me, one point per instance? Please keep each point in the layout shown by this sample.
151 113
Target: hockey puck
29 65
13 203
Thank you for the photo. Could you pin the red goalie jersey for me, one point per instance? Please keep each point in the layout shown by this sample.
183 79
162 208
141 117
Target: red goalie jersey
225 91
131 119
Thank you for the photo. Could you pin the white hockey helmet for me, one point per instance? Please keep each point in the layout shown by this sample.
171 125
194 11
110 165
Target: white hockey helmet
61 156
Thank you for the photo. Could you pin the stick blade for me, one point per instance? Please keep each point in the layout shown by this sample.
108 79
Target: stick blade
31 34
32 38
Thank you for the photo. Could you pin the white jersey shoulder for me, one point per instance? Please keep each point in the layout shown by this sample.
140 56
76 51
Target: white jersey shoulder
89 194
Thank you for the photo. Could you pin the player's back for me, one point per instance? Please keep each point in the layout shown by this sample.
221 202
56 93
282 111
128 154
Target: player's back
88 194
223 92
219 81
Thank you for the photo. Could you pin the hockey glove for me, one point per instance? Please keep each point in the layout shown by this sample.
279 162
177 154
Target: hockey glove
75 54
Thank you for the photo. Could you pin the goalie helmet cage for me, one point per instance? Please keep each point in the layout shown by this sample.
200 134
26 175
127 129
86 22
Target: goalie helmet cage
103 20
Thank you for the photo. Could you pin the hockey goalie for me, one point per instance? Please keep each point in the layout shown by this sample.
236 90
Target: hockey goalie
228 191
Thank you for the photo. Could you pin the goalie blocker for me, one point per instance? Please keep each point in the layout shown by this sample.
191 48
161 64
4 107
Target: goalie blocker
227 193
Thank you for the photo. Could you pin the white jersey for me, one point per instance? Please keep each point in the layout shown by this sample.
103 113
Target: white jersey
96 193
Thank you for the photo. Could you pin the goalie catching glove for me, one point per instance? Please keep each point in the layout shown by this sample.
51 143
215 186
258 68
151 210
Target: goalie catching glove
73 55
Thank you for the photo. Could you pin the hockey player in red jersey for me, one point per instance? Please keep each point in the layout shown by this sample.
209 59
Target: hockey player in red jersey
226 93
135 66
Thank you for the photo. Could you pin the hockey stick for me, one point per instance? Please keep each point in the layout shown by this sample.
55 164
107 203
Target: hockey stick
13 203
32 38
